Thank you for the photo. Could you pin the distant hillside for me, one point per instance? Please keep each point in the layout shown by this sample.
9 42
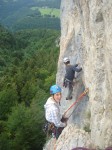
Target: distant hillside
15 13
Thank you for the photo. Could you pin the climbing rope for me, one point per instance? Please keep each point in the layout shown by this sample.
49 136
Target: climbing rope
72 111
79 98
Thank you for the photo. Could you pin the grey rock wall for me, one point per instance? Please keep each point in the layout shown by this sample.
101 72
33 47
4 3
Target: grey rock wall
86 38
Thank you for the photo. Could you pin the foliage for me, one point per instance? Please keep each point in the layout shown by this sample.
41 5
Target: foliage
6 39
29 22
8 98
24 126
27 71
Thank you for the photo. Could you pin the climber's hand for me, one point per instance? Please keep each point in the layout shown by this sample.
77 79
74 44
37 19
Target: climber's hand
63 84
63 119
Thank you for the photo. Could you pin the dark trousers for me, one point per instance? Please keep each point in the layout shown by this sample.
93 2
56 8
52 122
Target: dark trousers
69 85
57 131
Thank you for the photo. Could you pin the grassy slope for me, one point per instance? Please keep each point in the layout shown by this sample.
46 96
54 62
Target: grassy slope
48 11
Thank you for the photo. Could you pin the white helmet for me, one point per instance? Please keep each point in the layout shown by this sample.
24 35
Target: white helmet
66 59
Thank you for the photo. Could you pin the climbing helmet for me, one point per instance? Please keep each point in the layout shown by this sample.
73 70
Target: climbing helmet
66 59
55 89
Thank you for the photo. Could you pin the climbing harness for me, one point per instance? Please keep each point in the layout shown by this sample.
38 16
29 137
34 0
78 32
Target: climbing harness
79 98
48 128
67 82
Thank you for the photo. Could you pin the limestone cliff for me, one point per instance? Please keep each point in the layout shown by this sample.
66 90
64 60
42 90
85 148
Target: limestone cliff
86 38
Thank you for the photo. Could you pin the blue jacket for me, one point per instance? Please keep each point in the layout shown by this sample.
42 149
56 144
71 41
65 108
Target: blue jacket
70 71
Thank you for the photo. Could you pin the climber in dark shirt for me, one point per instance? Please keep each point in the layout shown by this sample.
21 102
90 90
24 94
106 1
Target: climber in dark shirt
69 76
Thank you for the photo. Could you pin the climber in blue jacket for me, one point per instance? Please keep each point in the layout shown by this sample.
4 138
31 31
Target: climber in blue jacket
69 76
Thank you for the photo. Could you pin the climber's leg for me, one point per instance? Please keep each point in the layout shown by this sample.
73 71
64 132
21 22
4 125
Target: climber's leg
70 90
58 131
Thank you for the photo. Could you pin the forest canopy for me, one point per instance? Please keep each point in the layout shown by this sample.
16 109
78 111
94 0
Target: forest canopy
28 63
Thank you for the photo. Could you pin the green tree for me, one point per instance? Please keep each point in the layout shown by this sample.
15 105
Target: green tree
25 79
8 98
25 128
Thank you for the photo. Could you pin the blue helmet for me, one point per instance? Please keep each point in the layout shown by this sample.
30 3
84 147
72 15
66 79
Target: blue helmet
55 89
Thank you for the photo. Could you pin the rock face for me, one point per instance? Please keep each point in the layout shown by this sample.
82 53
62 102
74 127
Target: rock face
70 138
73 137
86 38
